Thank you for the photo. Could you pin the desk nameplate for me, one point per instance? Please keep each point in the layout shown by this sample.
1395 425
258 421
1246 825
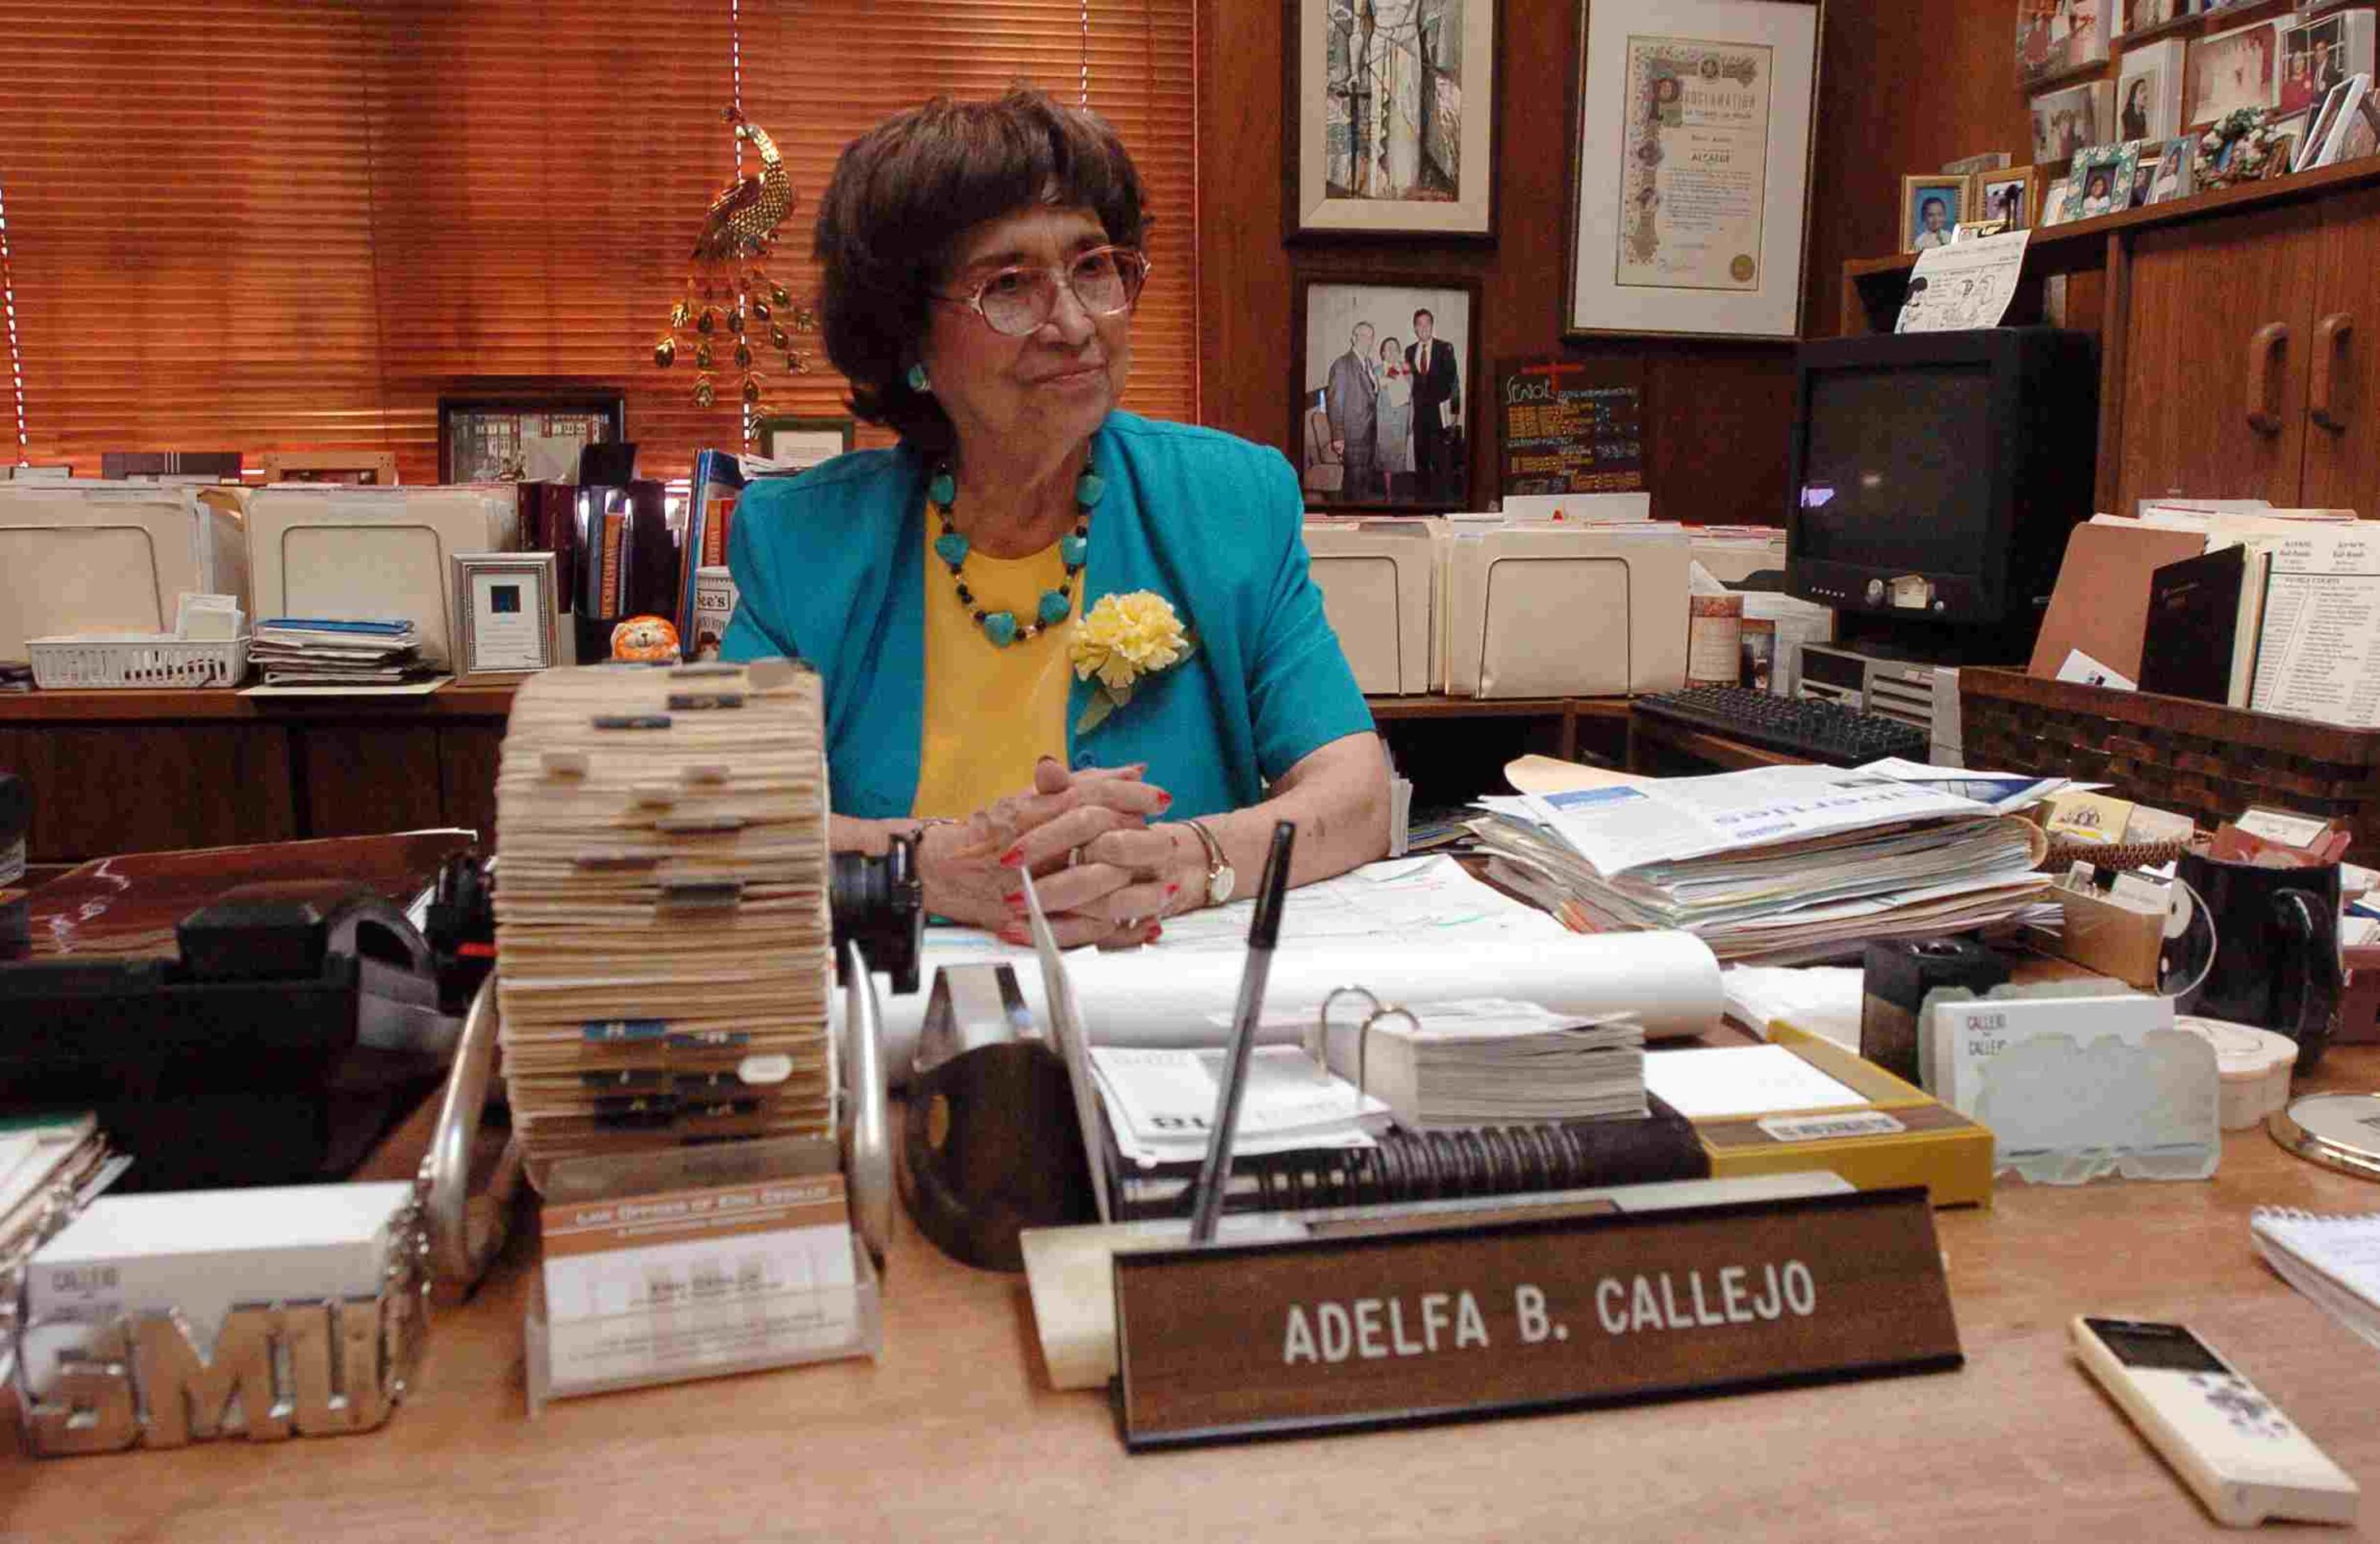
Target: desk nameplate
1281 1339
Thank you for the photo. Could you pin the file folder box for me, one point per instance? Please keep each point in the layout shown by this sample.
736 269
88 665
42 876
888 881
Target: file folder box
373 553
1580 611
1376 579
83 555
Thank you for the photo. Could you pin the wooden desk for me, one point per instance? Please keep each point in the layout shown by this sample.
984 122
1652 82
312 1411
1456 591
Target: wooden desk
1654 744
955 1433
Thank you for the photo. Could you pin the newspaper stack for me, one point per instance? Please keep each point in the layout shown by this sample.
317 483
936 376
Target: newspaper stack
662 928
331 652
1493 1062
1778 864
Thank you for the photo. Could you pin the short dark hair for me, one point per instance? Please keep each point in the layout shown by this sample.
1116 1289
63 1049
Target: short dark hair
904 193
1427 312
1930 202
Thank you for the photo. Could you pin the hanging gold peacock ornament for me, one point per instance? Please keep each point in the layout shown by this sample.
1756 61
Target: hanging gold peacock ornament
730 305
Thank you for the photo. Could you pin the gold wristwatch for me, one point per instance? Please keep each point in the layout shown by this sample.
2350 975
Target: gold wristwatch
1220 880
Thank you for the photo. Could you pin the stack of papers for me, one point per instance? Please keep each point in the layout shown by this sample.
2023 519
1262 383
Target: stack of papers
50 1167
661 929
329 652
1161 1104
1778 864
1493 1062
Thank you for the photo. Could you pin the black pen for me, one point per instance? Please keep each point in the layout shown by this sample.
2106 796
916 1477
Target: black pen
1214 1174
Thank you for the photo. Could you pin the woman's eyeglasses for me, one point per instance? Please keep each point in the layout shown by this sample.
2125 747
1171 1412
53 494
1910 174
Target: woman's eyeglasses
1014 301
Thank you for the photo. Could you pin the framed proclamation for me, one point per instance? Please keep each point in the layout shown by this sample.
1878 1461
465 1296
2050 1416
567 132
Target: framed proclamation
1690 167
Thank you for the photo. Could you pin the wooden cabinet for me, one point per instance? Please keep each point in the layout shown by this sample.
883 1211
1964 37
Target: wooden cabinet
2214 368
2342 433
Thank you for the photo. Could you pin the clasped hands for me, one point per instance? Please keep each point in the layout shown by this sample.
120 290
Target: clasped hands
1103 876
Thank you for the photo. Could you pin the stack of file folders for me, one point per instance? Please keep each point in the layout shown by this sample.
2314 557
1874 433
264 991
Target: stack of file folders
1777 864
331 652
50 1166
662 928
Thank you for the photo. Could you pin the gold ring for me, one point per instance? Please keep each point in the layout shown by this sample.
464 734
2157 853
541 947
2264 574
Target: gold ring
1074 856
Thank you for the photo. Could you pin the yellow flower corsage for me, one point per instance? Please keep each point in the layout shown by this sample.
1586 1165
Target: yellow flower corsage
1119 641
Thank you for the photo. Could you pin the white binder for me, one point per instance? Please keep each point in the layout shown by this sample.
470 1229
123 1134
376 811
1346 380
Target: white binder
373 553
1376 579
1577 611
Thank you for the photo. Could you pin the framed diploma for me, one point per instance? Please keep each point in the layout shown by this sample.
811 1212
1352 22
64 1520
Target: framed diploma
1389 119
1690 167
506 601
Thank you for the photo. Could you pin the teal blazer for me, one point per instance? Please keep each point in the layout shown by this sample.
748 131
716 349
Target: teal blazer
830 567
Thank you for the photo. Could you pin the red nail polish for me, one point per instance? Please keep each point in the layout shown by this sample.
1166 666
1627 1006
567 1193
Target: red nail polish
1171 891
1012 934
1164 799
1155 930
1013 858
1016 905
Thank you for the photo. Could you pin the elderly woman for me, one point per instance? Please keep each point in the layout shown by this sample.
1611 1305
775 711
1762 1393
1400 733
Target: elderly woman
1052 635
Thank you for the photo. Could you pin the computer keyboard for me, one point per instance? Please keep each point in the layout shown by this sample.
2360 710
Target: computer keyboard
1812 730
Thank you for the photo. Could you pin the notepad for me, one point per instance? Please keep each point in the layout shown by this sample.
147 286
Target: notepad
1722 1082
2333 1259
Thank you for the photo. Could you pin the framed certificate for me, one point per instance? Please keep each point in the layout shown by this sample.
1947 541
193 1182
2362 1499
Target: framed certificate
1690 167
506 603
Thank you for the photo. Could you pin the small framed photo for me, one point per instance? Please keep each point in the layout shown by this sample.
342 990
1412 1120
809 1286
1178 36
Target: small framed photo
803 442
526 435
2011 197
506 605
2064 121
2170 177
2059 37
2101 181
1931 208
1385 381
2147 15
2234 69
1388 119
372 468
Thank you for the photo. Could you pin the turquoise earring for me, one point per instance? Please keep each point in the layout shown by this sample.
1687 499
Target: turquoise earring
917 379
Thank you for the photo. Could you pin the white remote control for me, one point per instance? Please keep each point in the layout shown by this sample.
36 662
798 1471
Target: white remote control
2230 1444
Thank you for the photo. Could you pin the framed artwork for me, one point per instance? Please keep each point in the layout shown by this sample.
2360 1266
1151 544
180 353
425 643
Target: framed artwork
2059 37
1690 169
2065 121
2101 181
802 443
1931 209
529 435
364 467
2234 69
1389 119
1384 385
2148 90
2011 197
506 603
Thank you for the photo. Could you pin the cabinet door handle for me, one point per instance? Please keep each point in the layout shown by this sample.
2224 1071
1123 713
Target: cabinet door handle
2329 334
2270 339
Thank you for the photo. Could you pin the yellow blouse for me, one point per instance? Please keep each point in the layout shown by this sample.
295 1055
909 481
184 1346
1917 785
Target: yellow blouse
990 712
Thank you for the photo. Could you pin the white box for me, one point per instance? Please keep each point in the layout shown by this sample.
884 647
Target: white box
1733 556
203 1253
1565 611
80 556
1376 579
373 553
1583 508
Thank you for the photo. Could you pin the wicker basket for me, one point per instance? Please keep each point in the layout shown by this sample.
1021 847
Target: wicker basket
2196 759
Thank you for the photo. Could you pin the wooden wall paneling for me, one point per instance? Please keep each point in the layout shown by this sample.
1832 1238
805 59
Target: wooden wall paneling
1720 414
366 779
468 758
2342 445
2112 353
2197 295
103 789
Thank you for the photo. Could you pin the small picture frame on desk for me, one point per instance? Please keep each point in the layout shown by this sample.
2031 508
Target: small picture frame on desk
505 608
1931 209
367 468
2011 197
802 443
529 435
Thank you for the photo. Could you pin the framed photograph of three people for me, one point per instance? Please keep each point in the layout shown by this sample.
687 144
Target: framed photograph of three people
1690 167
1386 371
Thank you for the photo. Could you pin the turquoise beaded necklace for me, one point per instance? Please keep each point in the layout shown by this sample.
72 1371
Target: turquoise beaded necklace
1055 605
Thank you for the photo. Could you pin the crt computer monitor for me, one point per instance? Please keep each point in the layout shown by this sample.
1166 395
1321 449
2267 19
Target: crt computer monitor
1936 475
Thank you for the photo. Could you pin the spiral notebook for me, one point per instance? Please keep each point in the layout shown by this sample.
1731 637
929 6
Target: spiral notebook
2333 1259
